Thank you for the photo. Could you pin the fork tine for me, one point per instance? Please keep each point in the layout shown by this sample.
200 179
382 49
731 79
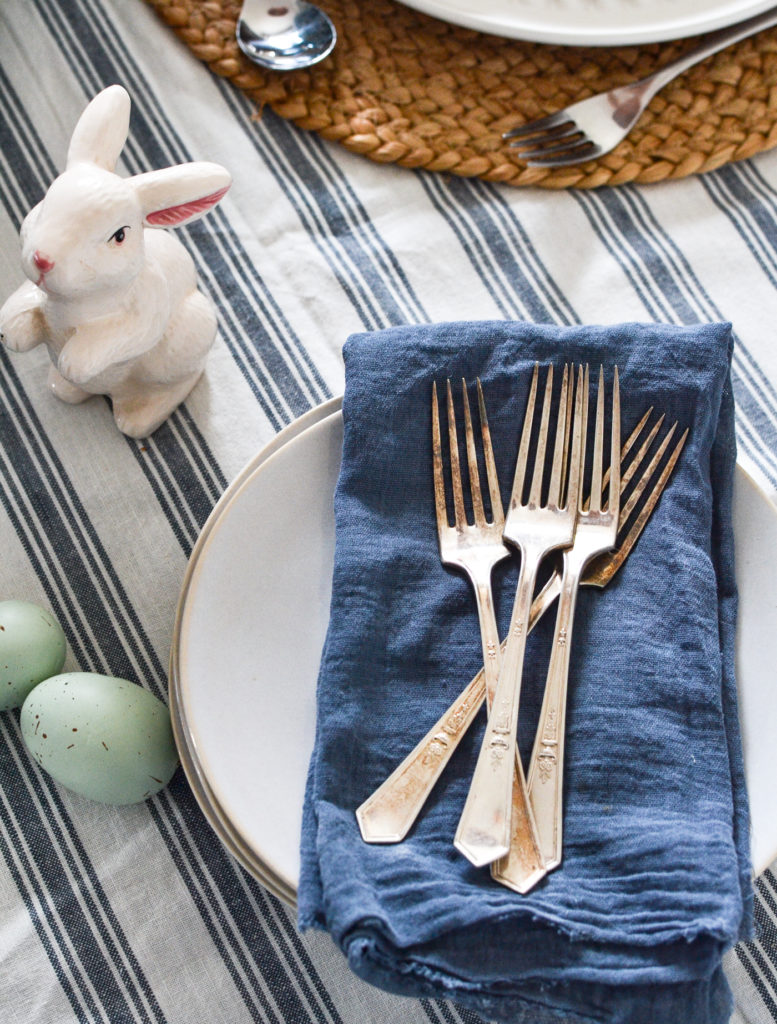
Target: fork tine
576 458
595 500
497 509
472 462
579 153
556 144
535 495
551 136
453 442
567 437
602 569
630 441
523 449
539 125
614 486
641 484
636 462
439 483
557 468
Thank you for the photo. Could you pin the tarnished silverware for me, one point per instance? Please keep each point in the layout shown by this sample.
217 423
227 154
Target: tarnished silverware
388 814
536 525
596 531
592 127
475 548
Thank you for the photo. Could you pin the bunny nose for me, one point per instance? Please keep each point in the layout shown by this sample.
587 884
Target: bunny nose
43 263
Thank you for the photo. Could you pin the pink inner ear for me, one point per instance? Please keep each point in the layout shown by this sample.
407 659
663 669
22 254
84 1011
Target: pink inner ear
173 215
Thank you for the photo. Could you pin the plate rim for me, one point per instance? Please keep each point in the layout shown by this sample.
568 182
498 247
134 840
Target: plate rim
541 30
214 813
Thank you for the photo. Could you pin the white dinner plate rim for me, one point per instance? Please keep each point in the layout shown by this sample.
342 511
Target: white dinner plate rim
190 762
591 23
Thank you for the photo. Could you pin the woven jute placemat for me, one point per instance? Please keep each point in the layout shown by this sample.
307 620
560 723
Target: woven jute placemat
405 88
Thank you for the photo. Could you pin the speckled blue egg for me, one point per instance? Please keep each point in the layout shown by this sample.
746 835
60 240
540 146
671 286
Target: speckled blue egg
105 738
32 648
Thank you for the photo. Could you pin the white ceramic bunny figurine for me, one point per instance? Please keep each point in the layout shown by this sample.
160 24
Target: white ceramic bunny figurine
116 304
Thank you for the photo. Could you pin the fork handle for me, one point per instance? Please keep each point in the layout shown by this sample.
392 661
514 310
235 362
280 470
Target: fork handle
712 43
483 833
546 765
387 815
524 865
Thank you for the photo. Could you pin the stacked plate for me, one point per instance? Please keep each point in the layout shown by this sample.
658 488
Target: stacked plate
593 22
251 623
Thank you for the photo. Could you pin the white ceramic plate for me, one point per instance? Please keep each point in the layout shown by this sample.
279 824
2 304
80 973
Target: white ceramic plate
252 618
592 22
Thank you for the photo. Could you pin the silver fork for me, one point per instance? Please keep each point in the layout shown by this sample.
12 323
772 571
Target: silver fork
476 548
536 528
387 815
596 531
592 127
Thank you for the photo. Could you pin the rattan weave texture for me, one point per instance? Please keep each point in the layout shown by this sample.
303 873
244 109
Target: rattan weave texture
405 88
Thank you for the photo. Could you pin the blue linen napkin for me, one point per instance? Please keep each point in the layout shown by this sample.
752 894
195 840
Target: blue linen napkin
655 881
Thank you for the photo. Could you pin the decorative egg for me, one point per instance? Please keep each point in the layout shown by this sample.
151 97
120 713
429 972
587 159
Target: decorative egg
32 648
105 738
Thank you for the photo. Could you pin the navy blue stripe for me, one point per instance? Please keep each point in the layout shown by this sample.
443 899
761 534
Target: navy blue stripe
56 504
374 299
632 268
761 412
486 246
747 952
491 235
725 191
185 510
81 929
759 200
254 931
32 893
657 271
382 255
507 221
221 866
202 455
24 128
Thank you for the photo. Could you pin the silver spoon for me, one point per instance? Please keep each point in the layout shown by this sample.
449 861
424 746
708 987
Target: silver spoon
284 34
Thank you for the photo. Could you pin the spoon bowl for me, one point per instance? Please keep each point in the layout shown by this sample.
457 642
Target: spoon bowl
284 36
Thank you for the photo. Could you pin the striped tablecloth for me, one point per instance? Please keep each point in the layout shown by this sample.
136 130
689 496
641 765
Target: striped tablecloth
138 913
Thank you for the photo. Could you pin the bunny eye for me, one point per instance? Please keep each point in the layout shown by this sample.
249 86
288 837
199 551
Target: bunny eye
119 235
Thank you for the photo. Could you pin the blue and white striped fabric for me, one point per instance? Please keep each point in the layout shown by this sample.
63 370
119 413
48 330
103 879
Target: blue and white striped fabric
138 914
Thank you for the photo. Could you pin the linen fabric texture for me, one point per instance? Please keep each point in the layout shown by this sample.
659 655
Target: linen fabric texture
655 880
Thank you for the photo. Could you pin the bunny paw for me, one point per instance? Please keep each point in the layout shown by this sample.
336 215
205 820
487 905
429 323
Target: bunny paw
78 364
21 321
64 389
141 416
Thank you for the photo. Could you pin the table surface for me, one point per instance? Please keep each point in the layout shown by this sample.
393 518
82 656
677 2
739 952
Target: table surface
138 913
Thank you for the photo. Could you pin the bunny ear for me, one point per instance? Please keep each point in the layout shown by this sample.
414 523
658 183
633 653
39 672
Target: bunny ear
102 129
177 195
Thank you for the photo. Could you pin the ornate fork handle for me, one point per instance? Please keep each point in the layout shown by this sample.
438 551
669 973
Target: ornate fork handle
387 815
546 766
